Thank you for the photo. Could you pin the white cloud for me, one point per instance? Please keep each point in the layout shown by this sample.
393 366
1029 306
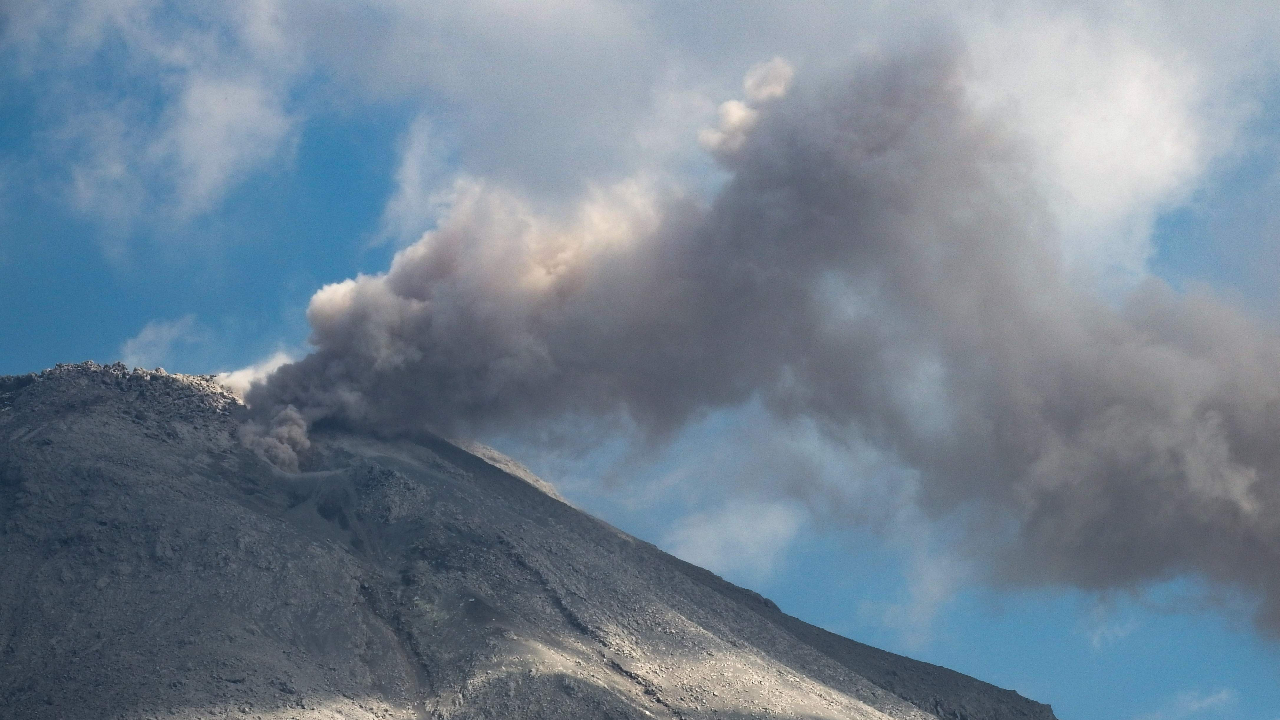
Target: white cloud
1106 623
180 105
419 197
736 120
220 130
768 80
746 538
238 381
538 94
1125 107
1194 704
1118 126
933 578
103 179
763 83
158 340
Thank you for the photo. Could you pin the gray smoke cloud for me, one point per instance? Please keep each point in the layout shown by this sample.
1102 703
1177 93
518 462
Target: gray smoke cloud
879 263
280 442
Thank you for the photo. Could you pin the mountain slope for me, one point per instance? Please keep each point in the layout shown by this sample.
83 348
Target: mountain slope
155 567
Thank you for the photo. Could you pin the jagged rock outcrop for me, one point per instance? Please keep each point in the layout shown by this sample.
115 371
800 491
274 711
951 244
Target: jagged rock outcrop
155 567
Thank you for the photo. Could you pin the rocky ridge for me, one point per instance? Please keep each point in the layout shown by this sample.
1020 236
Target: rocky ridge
156 567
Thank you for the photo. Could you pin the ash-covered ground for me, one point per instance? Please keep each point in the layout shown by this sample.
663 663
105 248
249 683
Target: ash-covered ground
155 567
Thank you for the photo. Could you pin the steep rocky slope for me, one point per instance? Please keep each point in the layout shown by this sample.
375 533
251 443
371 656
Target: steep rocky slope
155 567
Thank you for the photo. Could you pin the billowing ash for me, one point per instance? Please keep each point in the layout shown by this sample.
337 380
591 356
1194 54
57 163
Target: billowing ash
879 264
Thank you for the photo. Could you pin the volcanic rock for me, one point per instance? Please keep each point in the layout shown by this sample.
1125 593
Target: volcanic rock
154 566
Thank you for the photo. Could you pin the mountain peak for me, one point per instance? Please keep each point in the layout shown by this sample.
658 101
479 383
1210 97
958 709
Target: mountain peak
75 383
155 566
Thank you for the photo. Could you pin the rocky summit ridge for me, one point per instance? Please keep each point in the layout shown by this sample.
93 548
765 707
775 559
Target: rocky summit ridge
154 566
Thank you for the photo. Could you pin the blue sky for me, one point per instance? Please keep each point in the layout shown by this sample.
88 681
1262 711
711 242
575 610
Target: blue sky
176 184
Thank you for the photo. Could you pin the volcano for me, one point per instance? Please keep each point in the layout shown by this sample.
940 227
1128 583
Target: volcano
154 566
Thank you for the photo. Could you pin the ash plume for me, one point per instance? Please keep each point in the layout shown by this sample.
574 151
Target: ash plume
880 263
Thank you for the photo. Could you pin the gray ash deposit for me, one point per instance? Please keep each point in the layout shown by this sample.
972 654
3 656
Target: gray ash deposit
156 567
